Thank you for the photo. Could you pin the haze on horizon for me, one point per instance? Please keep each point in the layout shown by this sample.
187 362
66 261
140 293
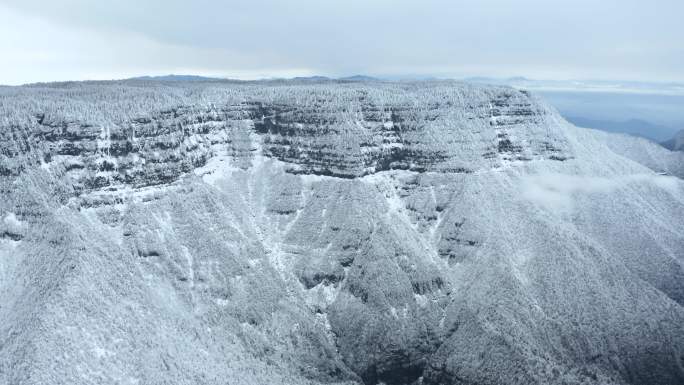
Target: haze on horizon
580 39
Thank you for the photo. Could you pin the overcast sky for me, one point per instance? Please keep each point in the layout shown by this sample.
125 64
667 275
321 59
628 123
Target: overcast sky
45 40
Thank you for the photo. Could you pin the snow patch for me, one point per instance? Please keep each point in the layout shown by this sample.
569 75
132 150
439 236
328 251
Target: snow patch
421 299
12 222
216 168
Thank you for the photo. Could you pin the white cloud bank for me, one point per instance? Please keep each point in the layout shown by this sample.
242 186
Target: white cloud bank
557 192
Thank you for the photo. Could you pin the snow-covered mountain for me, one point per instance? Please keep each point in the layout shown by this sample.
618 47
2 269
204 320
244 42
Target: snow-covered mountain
676 143
294 233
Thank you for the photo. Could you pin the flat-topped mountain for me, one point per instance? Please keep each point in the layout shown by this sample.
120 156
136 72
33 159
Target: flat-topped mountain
331 232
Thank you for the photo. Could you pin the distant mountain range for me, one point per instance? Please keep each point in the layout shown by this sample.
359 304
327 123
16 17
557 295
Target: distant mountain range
177 78
197 78
636 127
359 78
676 143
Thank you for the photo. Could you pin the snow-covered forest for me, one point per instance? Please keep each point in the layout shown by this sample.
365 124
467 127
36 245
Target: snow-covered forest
320 232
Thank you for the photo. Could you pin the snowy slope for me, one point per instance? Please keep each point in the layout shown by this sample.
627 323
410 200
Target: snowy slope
331 233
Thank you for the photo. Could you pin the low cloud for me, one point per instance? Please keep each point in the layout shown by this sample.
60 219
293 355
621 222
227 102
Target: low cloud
556 192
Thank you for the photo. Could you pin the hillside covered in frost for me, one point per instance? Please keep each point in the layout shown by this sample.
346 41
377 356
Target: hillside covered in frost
331 232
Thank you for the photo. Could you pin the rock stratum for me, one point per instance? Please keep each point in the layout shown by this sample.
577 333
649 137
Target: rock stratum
331 233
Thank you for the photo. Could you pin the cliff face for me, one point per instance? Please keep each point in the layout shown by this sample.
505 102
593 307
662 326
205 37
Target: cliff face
354 133
331 233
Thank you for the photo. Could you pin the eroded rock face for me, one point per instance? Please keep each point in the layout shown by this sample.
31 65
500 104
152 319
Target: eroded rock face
349 134
406 233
